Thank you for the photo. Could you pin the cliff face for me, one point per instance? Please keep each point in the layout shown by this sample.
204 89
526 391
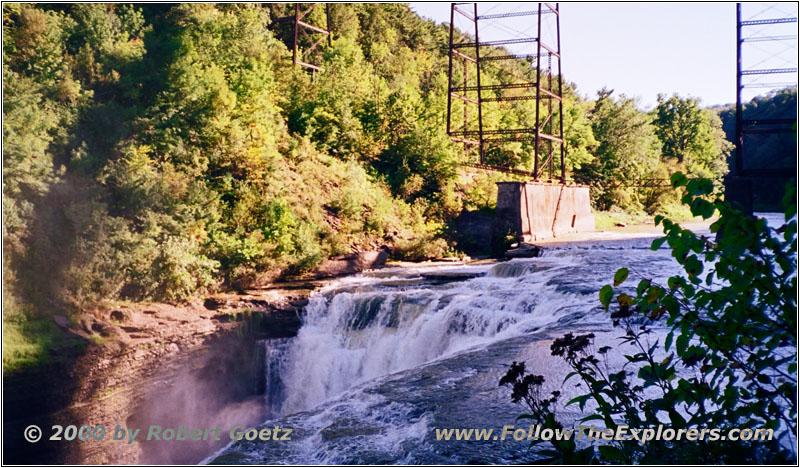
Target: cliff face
190 366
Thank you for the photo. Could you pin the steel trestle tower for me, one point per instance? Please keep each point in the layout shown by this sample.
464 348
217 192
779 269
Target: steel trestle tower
545 133
303 26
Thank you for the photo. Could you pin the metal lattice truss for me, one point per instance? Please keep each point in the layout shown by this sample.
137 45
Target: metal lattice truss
546 131
766 68
304 29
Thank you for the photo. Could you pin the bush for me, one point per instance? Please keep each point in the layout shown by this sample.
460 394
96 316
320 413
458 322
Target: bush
181 270
731 358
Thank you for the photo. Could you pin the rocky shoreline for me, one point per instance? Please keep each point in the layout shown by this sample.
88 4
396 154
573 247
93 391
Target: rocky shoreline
135 367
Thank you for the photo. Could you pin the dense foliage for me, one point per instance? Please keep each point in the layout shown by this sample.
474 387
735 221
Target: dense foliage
636 151
154 152
728 361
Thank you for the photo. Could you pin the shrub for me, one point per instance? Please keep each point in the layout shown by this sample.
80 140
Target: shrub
181 270
730 358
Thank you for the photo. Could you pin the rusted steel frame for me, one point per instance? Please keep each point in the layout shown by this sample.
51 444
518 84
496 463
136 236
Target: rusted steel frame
739 135
769 38
769 71
756 126
549 49
305 13
450 72
328 23
478 68
464 13
549 95
509 98
550 115
294 45
510 15
463 98
546 120
522 40
506 131
491 167
493 58
312 27
510 139
502 86
550 137
464 56
538 92
767 21
561 100
301 26
544 165
465 121
544 131
315 44
308 65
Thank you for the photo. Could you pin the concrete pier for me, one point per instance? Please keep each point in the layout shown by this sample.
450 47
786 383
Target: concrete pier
533 211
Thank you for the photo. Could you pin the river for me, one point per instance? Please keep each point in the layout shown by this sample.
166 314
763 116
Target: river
385 358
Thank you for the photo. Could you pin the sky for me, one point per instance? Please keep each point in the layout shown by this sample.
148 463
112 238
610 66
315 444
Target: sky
643 49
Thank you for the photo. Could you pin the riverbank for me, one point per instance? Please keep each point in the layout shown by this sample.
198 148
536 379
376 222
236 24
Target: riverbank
142 364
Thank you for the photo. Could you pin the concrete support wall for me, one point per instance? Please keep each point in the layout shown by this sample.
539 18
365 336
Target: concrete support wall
533 211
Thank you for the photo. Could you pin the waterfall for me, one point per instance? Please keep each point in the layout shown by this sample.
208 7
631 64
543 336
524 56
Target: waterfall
270 362
384 358
360 331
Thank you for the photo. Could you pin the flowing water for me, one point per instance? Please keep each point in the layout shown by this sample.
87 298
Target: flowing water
385 358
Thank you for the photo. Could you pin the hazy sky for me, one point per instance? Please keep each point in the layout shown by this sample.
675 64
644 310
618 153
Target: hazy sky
639 49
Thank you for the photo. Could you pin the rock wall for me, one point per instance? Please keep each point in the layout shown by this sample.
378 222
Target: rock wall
157 364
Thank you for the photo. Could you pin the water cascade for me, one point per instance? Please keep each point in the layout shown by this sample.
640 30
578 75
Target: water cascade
385 358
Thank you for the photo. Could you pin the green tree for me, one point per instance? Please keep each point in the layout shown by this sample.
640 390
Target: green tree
627 152
692 136
580 139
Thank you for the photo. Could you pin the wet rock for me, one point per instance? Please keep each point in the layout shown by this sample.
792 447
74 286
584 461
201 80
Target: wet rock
120 316
353 263
93 326
61 321
451 276
525 251
212 303
449 259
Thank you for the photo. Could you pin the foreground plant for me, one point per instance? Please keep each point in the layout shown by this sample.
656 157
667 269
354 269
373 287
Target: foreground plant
729 359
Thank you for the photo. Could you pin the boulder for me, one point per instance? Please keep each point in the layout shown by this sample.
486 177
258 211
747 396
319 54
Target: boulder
61 321
353 263
525 251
